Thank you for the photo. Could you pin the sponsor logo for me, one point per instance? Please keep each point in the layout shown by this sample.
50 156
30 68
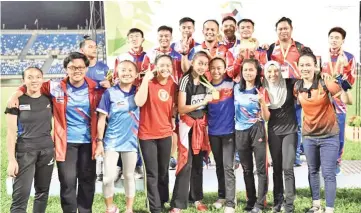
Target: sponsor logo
120 103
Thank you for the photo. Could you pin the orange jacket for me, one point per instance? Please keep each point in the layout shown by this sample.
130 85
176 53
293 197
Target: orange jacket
56 90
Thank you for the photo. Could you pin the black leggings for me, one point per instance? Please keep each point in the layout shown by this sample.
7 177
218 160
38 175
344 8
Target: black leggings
248 142
283 152
223 152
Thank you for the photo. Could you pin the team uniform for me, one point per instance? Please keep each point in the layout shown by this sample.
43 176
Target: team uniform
75 130
230 44
34 151
120 137
320 133
217 50
137 57
193 141
341 108
98 73
221 136
155 137
251 138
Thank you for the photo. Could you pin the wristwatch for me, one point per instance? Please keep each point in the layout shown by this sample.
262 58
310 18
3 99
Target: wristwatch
99 140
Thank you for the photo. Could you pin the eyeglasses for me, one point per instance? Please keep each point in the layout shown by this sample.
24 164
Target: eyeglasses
72 68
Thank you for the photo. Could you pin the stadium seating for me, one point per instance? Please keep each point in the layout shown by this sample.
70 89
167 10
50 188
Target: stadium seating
12 44
15 67
56 67
65 43
100 40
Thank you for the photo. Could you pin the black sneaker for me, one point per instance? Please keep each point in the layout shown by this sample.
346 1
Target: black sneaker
138 173
276 209
99 177
249 206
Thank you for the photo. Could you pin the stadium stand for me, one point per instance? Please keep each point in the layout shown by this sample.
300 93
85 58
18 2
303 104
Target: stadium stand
65 43
56 67
14 67
33 48
12 44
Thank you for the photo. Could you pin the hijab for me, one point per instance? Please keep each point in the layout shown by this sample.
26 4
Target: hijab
277 91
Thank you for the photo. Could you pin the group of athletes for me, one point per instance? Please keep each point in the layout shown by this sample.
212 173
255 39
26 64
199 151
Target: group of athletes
228 96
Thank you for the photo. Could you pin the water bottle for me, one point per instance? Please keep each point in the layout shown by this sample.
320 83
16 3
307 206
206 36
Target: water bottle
99 168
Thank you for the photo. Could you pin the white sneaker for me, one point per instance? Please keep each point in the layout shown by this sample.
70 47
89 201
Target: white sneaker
229 210
219 203
329 210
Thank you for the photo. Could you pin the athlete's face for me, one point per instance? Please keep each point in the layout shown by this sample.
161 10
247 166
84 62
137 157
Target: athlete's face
210 31
273 74
335 40
164 67
164 38
284 31
217 69
249 72
90 49
245 29
76 70
307 67
229 28
135 40
33 79
127 72
200 64
187 28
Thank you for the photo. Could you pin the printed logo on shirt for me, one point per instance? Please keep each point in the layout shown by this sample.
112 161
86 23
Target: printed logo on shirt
120 103
100 72
24 107
163 95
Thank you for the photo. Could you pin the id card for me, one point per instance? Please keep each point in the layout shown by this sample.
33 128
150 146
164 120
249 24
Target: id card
285 70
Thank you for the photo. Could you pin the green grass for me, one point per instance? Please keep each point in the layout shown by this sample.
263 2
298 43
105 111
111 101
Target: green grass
348 200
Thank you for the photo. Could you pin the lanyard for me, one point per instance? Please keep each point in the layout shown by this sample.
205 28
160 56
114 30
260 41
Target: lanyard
284 54
333 70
